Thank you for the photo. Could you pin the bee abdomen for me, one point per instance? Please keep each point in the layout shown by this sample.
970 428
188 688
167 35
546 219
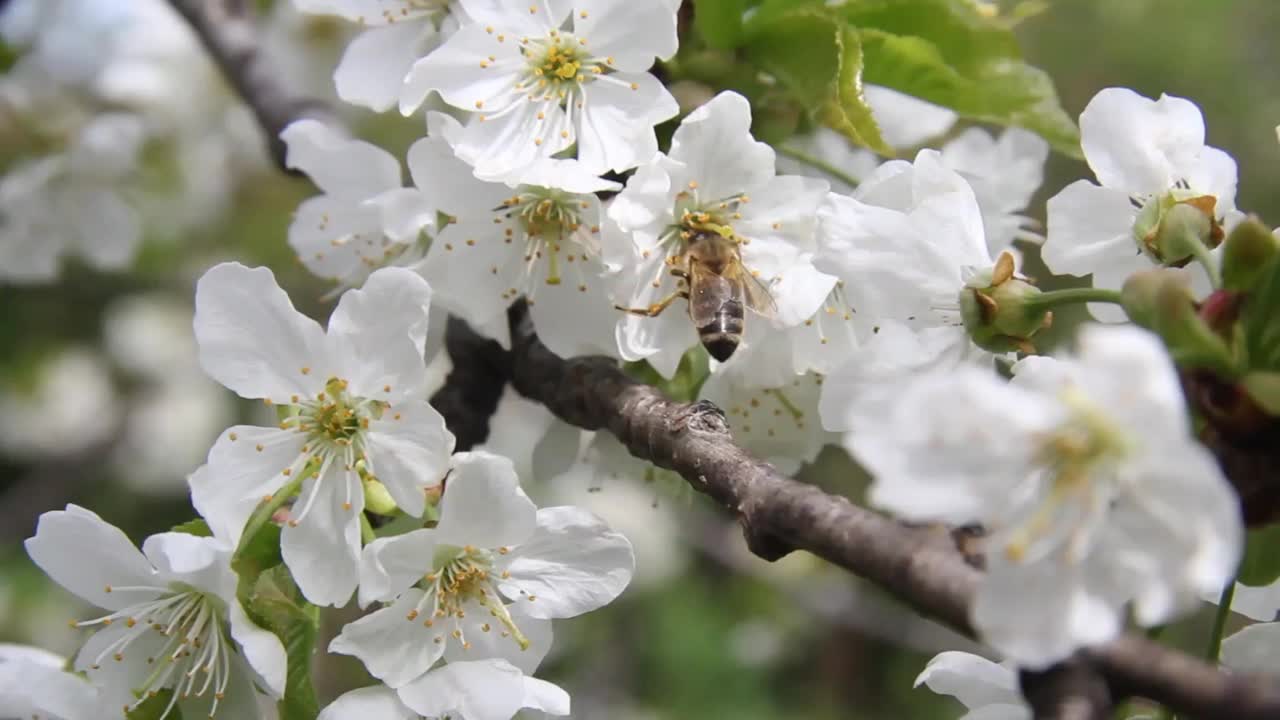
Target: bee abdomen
722 335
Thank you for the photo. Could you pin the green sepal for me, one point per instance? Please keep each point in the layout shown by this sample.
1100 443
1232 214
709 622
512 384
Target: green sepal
276 604
197 527
1261 562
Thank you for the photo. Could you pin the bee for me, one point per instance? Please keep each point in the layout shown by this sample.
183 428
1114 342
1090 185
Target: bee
718 286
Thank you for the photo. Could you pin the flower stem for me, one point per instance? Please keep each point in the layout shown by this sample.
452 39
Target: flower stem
1053 298
817 164
1220 622
1208 262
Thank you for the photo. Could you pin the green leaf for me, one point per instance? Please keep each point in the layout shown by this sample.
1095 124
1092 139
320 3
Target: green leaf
1261 563
197 527
848 112
964 36
999 90
153 708
719 22
276 605
818 61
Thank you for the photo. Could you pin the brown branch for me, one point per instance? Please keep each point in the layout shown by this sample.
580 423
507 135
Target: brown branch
921 567
474 385
228 31
1072 690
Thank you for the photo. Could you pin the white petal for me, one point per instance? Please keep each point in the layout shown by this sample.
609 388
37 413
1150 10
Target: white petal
632 33
455 71
261 648
973 680
460 267
323 549
1013 603
483 504
201 562
408 450
377 702
491 645
1259 603
573 563
374 66
379 332
115 680
238 476
715 144
1253 649
483 690
1090 227
545 696
339 239
251 338
394 649
501 144
339 165
905 120
615 127
1133 143
86 555
576 317
389 566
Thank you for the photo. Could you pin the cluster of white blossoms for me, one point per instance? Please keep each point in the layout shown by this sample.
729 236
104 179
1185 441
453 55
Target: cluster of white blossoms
886 318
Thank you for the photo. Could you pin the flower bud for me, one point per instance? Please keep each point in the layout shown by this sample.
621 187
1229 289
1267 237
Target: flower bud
1249 247
376 498
1171 230
1161 300
994 307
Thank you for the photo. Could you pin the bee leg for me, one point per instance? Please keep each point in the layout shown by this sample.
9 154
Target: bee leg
656 309
680 273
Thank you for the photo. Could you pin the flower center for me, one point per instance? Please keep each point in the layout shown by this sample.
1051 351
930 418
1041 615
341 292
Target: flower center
549 217
1152 211
1077 459
195 656
559 65
335 420
462 577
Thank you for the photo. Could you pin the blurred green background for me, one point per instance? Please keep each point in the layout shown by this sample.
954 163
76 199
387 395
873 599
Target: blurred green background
707 631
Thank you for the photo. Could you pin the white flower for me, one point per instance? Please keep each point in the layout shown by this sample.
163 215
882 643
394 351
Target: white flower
1086 474
905 248
989 691
541 76
70 202
338 235
485 581
778 424
1145 154
173 619
376 64
353 406
71 408
716 179
1004 173
34 685
476 690
537 237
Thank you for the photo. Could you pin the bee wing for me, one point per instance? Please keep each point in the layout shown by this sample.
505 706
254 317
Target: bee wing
757 294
